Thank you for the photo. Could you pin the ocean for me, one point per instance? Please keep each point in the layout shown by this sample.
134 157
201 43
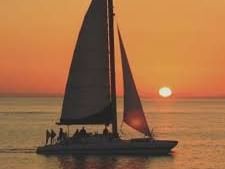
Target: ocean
198 125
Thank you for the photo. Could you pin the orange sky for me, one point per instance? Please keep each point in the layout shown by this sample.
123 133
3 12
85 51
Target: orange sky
176 43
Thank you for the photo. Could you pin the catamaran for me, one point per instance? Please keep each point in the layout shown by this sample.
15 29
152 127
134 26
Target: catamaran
90 94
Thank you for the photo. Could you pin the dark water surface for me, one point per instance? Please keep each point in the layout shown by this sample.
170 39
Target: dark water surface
198 125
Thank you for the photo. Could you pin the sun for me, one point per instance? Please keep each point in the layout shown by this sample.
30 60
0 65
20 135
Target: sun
165 92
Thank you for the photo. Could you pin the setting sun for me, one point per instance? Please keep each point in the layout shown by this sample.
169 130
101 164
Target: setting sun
165 92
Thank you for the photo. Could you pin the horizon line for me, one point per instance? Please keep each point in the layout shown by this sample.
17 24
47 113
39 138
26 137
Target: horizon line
141 96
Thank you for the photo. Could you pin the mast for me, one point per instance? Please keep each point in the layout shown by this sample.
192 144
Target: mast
112 67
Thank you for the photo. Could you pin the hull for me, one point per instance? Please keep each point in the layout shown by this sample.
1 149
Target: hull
121 147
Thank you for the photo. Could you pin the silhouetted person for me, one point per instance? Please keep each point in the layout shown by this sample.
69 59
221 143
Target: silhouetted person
61 134
105 131
83 132
53 134
48 135
76 133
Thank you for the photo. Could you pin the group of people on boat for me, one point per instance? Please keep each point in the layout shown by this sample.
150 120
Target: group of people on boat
80 133
84 133
52 136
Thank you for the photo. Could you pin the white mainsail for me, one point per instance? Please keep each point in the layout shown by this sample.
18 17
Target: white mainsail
87 95
133 111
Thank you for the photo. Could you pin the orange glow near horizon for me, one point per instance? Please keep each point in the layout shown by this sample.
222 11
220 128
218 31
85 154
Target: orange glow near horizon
174 43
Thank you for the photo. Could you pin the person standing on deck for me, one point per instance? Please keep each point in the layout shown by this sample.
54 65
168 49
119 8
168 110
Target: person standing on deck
53 134
105 131
48 134
83 132
61 134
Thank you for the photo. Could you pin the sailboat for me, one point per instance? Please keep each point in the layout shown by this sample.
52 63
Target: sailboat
90 94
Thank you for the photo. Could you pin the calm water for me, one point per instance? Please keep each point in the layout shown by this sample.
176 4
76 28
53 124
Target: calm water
198 124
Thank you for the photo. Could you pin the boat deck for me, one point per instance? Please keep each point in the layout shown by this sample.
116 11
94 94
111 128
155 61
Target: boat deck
107 145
